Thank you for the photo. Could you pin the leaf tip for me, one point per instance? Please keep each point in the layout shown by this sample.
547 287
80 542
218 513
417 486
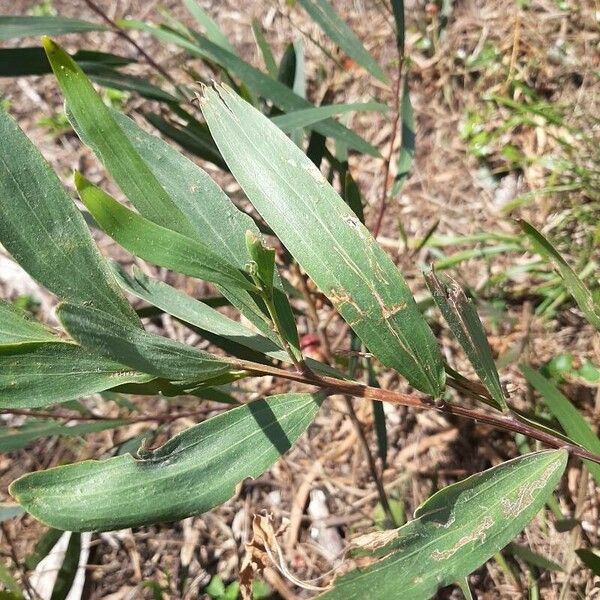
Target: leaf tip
50 46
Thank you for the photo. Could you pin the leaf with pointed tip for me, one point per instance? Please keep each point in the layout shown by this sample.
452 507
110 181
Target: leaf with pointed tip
155 243
326 238
533 558
583 296
32 60
265 49
406 154
194 312
590 559
111 78
257 82
45 233
94 121
454 532
309 116
140 350
217 222
570 419
36 375
338 31
398 11
206 319
462 318
210 26
16 328
263 257
12 26
193 472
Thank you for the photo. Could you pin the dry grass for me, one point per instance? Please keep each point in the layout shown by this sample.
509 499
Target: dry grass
556 53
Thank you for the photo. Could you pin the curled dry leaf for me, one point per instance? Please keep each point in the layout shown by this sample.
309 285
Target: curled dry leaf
262 551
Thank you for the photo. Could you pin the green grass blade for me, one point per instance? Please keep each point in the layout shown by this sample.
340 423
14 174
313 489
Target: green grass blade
94 123
590 559
259 83
140 350
406 154
309 116
111 78
217 222
193 472
212 29
38 375
573 283
570 419
155 243
338 31
17 328
32 60
14 438
265 49
398 10
533 558
454 532
45 233
12 26
194 312
461 316
326 238
196 141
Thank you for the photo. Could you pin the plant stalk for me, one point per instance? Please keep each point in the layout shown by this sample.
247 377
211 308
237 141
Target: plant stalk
352 388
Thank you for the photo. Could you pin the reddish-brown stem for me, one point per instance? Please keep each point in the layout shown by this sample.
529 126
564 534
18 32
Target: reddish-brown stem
359 390
119 31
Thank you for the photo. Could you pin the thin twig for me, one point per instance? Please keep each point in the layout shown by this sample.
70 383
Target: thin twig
339 386
119 31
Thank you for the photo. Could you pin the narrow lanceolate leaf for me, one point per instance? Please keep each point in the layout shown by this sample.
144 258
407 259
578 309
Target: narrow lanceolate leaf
454 532
217 222
36 375
140 350
338 31
193 472
462 318
398 10
194 312
94 122
583 296
210 26
45 233
326 238
23 26
406 154
155 243
16 328
265 49
259 83
309 116
570 419
32 60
